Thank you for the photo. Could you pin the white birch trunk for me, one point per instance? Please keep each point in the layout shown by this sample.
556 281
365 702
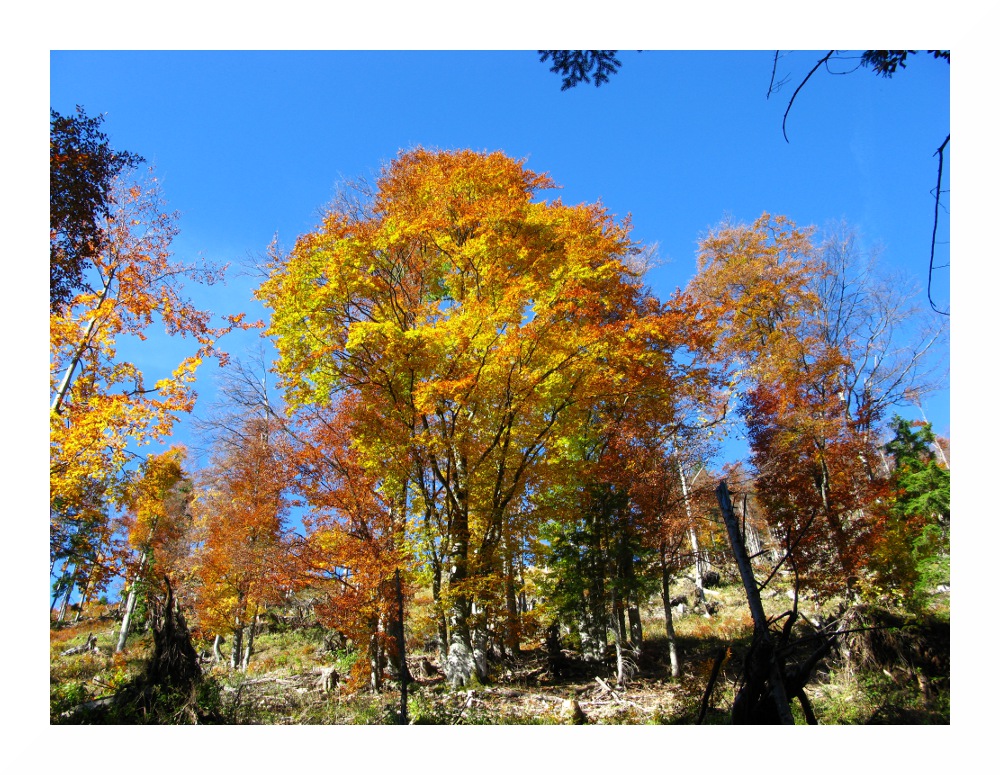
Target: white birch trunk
67 380
127 619
130 604
693 537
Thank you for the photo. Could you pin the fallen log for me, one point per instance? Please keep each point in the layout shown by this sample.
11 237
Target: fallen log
603 684
90 645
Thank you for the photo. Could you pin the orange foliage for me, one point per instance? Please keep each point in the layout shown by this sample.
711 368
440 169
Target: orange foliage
355 533
158 518
244 562
813 459
100 403
477 329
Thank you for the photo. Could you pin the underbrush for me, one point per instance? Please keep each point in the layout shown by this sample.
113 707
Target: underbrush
894 668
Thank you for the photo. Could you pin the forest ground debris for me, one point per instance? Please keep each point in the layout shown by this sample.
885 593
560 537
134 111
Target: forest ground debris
896 674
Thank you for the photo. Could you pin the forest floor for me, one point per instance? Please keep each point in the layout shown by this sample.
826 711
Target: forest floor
898 673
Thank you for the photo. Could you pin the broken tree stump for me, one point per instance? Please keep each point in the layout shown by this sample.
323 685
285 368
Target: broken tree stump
762 698
89 645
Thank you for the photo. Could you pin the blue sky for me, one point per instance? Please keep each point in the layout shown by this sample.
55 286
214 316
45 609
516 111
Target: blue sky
249 145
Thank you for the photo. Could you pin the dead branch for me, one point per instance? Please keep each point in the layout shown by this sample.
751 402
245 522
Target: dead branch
784 119
937 209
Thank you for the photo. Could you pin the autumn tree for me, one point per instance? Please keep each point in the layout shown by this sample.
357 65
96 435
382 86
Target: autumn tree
100 402
159 531
819 346
475 326
813 459
356 539
243 560
82 171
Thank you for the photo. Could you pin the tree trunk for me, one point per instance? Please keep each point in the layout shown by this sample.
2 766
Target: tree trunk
630 603
405 677
234 656
127 619
374 656
79 610
618 623
480 646
840 538
440 619
394 651
764 687
675 669
216 651
174 663
249 633
593 635
619 612
88 588
512 623
693 536
67 380
594 622
65 604
133 594
461 664
635 628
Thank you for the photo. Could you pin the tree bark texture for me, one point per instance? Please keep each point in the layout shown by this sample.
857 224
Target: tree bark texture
404 673
699 581
763 692
133 596
675 669
127 619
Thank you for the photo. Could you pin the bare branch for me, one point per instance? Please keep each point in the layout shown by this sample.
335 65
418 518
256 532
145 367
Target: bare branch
775 86
784 119
937 209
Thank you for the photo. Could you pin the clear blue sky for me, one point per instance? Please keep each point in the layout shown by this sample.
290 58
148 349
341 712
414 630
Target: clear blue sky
249 145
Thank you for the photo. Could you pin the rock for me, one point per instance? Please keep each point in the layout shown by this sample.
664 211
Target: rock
710 579
679 600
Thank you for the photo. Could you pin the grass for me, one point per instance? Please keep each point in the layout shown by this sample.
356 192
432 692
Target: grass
899 675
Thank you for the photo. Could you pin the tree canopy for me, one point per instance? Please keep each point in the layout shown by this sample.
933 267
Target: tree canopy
82 170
